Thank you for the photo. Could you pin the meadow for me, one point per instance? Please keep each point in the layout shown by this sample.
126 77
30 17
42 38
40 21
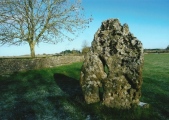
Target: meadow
55 94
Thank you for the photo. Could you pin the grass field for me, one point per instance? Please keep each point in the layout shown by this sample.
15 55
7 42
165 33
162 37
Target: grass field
55 94
155 89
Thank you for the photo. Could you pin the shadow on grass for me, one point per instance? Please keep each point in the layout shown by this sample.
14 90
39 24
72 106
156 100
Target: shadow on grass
13 105
95 111
75 99
68 85
48 95
156 94
23 110
33 96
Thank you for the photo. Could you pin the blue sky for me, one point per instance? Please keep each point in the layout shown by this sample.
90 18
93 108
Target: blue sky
148 20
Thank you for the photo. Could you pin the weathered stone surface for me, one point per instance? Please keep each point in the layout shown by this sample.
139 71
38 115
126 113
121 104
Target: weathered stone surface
112 70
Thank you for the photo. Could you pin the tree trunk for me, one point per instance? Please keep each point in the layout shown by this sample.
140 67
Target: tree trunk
32 49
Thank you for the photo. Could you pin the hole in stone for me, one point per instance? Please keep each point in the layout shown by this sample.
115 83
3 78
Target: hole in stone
101 91
106 70
129 79
105 67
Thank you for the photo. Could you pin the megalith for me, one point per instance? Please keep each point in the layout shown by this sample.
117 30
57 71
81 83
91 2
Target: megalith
112 69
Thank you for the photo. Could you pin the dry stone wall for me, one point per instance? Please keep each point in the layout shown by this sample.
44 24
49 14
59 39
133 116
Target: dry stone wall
112 70
10 65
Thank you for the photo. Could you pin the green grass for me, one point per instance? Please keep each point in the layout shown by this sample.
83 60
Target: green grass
54 93
155 89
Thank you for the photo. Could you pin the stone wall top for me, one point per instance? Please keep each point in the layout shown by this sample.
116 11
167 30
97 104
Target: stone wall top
10 65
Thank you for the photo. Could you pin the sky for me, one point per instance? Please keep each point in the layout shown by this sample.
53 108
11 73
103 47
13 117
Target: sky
148 20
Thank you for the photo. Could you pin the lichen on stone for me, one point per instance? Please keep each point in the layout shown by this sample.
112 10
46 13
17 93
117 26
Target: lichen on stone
114 64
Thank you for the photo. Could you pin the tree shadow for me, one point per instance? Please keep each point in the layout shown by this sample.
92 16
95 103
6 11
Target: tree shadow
35 97
68 85
15 106
23 110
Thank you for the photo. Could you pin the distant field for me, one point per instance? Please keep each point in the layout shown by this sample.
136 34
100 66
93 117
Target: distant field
54 93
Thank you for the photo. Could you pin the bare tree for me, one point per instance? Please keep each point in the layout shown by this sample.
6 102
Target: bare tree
85 44
35 21
167 47
85 47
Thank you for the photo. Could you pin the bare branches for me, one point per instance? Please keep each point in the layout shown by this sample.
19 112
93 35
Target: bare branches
36 21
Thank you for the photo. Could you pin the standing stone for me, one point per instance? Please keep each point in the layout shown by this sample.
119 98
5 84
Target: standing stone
112 69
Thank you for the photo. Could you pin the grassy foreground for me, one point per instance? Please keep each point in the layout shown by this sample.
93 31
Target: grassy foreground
55 94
